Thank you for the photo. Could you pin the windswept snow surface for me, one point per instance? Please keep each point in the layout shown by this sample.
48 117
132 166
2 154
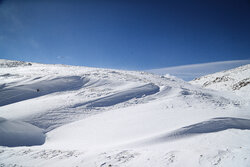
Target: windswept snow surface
17 133
39 88
123 96
103 117
210 126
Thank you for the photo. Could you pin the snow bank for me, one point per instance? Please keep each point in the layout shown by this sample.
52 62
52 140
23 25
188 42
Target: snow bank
210 126
17 133
28 91
123 96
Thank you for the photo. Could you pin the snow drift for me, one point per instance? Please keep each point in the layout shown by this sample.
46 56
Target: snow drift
18 133
40 88
210 126
123 96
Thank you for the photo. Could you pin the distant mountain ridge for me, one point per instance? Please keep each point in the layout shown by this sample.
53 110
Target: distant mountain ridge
192 71
12 63
236 80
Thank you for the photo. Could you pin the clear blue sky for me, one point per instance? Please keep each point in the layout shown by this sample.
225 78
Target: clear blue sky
125 34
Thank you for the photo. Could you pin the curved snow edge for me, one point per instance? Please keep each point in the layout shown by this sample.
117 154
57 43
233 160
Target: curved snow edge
210 126
18 133
41 88
136 92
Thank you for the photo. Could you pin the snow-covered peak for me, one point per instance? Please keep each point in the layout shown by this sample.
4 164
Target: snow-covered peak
11 63
236 80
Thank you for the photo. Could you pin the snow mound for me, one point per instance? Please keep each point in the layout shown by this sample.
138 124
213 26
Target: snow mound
40 88
17 133
210 126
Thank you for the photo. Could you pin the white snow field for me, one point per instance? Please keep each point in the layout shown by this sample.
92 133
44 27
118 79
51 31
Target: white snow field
58 115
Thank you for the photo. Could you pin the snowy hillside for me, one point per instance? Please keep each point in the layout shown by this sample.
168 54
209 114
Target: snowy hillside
81 116
236 80
192 71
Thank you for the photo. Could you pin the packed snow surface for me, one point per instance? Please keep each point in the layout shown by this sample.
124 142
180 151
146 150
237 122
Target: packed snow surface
103 117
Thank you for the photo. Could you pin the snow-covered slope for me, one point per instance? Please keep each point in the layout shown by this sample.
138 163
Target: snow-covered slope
192 71
104 117
236 80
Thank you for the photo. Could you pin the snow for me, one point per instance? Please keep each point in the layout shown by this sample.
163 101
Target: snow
235 80
190 72
103 117
18 133
120 97
210 126
40 88
11 63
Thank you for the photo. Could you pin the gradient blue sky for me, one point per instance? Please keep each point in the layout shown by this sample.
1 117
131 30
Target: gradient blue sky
125 34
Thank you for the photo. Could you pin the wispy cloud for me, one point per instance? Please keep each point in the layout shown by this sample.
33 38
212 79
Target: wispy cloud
60 57
189 72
